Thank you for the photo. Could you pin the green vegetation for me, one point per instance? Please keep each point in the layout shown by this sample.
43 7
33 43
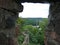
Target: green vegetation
32 21
35 30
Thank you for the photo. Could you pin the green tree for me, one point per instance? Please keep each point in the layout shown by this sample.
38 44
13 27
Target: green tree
42 28
20 21
36 35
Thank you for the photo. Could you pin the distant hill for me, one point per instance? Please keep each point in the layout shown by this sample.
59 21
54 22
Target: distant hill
32 21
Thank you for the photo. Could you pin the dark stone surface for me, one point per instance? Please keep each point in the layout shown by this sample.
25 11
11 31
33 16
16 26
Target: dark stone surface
9 10
37 1
53 28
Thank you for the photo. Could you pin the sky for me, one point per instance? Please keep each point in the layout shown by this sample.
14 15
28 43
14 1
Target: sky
35 10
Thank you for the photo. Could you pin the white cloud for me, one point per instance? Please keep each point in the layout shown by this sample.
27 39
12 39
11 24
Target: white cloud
35 10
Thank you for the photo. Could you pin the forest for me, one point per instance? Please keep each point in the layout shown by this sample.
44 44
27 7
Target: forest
31 30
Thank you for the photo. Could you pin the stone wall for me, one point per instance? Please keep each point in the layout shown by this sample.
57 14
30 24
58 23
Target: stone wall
53 28
9 10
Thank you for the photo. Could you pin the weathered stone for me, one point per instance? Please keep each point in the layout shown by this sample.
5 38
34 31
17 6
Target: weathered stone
53 30
9 10
10 5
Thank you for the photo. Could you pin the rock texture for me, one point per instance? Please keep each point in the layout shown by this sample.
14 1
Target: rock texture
53 28
9 10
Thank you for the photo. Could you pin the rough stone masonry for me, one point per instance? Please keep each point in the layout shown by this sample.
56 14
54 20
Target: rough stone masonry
9 10
53 28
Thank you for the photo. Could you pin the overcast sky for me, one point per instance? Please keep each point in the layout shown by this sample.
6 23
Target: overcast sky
35 10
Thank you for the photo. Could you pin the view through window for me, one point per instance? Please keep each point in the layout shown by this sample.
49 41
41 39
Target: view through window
32 22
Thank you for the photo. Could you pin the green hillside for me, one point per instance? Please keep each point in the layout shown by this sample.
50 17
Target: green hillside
32 21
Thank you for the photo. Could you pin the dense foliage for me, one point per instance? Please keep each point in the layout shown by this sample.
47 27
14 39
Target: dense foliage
32 21
36 32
